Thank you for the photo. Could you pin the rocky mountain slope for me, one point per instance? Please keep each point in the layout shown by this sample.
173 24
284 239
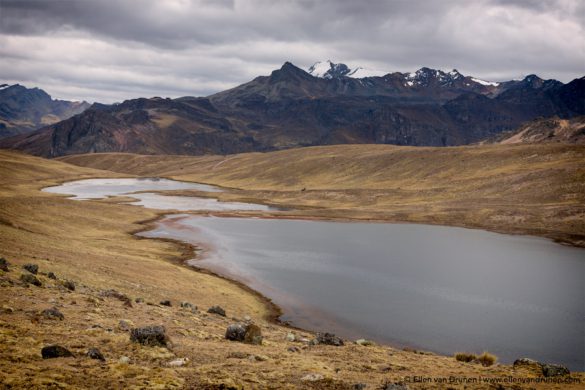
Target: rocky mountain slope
24 109
547 130
292 108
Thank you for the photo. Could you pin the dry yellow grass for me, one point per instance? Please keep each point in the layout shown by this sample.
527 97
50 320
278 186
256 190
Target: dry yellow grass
527 189
91 243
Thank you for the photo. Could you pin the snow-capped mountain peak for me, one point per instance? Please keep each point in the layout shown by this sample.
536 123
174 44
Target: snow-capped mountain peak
330 70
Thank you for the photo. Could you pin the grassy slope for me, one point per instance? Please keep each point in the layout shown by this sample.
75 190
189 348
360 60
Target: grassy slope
534 189
90 243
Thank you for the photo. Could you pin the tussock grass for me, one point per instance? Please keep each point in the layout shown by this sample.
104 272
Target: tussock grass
465 357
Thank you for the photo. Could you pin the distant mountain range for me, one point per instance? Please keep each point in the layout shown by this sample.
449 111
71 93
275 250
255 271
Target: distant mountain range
329 104
23 110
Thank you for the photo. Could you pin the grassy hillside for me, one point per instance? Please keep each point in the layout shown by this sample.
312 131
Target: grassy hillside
530 189
91 244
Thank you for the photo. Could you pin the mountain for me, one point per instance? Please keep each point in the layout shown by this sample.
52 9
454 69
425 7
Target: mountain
24 109
292 108
544 130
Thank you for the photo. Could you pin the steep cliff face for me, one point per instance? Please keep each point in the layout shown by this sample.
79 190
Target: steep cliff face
292 108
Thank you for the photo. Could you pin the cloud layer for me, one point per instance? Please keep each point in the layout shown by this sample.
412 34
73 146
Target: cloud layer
111 50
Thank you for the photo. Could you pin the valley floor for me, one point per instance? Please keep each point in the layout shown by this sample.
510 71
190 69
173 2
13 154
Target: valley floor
92 244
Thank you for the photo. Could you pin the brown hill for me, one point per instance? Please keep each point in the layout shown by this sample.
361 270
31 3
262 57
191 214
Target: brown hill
529 189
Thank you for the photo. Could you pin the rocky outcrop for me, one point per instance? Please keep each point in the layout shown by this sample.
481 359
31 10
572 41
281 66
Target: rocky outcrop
246 333
55 351
150 335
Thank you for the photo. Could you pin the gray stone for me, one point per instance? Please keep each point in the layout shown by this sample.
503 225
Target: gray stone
53 314
549 370
51 275
216 310
32 268
55 351
124 360
94 353
328 339
150 335
166 302
69 285
312 377
4 264
364 342
187 305
30 279
245 333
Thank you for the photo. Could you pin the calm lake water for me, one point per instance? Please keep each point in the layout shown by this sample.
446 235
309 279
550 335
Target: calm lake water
102 188
443 289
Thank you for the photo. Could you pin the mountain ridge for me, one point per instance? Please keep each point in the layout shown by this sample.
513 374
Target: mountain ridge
291 108
24 110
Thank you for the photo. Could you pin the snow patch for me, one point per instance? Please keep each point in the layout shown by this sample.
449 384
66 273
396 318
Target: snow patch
483 82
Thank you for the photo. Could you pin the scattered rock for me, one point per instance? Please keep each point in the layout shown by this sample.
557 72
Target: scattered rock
246 333
124 360
53 314
549 370
290 337
125 325
139 300
30 279
118 295
187 305
258 358
525 362
69 285
359 386
32 268
293 349
4 264
51 275
364 342
94 353
166 302
312 377
216 310
237 355
247 319
55 351
178 362
328 339
6 309
150 335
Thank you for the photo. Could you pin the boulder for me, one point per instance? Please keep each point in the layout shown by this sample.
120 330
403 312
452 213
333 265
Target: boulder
30 279
187 305
245 333
55 351
53 314
94 353
166 302
32 268
328 339
69 285
549 370
51 275
216 310
4 264
150 335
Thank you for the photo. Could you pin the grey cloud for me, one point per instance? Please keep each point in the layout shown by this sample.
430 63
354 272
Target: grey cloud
111 50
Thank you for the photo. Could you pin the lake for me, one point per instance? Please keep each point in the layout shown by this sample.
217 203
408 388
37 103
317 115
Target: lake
437 288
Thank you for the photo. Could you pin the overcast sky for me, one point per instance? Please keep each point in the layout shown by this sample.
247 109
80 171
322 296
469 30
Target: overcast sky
109 51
